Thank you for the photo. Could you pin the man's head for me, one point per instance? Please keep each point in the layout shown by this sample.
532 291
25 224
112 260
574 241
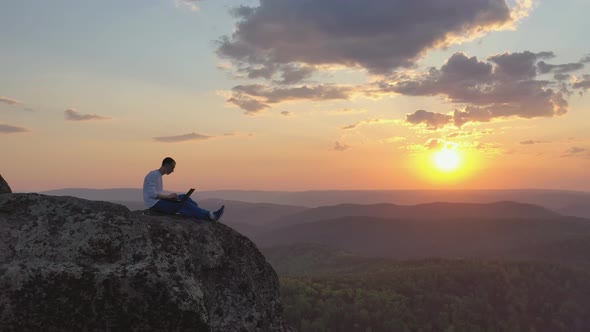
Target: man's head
168 165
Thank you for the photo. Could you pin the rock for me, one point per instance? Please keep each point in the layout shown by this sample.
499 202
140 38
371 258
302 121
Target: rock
68 264
4 187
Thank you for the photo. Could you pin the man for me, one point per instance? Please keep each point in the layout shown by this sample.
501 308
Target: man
156 199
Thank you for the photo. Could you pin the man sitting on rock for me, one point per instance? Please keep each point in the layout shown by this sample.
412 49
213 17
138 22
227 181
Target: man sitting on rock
155 198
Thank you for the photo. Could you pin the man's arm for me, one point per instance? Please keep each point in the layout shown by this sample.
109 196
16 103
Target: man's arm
151 188
172 196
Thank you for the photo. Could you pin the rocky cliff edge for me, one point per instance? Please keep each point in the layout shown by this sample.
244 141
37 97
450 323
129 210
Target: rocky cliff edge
73 264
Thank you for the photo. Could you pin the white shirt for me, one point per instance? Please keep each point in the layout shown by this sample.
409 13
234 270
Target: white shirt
152 186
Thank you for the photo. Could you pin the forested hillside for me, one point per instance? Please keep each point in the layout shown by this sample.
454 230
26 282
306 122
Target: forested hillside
442 295
411 238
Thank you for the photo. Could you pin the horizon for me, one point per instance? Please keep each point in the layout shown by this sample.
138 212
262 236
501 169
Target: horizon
321 190
281 96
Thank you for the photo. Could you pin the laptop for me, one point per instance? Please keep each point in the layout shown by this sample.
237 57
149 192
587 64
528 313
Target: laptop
186 196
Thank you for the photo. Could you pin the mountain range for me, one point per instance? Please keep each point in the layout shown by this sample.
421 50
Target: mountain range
573 203
429 229
437 210
410 239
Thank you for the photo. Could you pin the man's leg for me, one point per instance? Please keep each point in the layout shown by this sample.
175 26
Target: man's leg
212 215
165 206
191 208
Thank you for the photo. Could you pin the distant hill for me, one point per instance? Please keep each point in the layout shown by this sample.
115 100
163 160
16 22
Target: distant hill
409 239
551 199
256 214
247 212
249 219
576 210
497 210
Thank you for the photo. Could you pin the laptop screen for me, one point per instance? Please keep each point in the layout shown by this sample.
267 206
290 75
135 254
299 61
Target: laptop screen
187 195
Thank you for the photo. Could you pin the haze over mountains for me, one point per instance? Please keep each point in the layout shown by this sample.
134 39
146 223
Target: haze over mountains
573 203
422 238
439 210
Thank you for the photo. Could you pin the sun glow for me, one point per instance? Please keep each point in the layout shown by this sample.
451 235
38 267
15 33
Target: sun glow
448 166
447 160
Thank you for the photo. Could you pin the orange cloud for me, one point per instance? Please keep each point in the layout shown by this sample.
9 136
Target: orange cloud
340 146
183 138
8 101
254 98
73 115
8 129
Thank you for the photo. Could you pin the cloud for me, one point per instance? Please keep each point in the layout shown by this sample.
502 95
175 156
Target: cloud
250 105
561 77
432 120
368 121
531 142
560 69
182 138
583 84
254 98
521 65
286 113
434 144
504 86
349 111
277 95
74 115
395 139
340 146
191 4
8 129
8 101
14 102
295 74
224 66
378 35
352 126
576 152
474 133
493 147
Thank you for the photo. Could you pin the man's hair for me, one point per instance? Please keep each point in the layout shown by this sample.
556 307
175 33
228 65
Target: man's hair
167 161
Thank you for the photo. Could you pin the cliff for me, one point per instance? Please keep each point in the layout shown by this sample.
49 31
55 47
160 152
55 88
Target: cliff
73 264
4 187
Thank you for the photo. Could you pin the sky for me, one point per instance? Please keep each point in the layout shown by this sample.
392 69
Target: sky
295 94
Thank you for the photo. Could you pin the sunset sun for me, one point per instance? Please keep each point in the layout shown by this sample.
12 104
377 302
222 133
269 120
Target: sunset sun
447 160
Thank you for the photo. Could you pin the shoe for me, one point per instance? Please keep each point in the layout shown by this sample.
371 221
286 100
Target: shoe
219 213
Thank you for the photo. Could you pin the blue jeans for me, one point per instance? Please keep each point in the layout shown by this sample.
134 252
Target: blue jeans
188 208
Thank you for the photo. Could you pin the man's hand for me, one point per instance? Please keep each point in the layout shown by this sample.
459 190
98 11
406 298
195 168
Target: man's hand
173 197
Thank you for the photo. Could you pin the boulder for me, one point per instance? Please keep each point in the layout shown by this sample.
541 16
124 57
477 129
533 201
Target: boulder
68 264
4 187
